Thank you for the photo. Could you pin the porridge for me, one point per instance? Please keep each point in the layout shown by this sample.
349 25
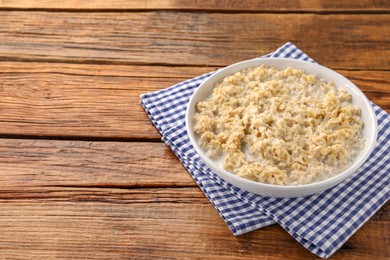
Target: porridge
280 127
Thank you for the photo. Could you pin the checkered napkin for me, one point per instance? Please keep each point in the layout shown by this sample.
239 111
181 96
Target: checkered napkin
322 223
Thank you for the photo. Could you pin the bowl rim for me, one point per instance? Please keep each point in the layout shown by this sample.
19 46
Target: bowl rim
283 188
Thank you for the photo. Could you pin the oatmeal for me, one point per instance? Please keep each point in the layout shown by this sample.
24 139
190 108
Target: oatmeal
280 127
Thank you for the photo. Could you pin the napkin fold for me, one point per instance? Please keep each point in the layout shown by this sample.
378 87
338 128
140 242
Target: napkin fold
323 222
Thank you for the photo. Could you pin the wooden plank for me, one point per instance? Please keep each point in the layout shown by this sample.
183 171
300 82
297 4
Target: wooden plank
203 5
201 39
36 163
81 100
111 223
70 199
102 101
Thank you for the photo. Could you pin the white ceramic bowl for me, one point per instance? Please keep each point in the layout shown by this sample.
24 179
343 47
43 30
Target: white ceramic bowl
370 129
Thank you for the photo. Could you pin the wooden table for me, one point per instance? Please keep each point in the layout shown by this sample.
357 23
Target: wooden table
83 173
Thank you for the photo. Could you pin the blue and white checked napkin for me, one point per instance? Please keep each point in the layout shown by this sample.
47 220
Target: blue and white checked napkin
322 223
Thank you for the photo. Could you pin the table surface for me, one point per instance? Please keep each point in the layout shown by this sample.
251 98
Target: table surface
83 172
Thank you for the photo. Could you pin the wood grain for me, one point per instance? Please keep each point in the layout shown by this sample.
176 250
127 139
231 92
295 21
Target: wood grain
170 223
203 5
102 101
32 164
351 41
69 199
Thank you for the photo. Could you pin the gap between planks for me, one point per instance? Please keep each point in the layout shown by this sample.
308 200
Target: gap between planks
229 6
318 12
93 62
80 138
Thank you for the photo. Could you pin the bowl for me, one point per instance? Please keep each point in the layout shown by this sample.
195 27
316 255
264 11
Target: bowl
370 129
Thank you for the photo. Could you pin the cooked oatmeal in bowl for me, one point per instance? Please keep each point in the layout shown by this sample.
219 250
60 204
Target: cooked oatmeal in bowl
281 127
